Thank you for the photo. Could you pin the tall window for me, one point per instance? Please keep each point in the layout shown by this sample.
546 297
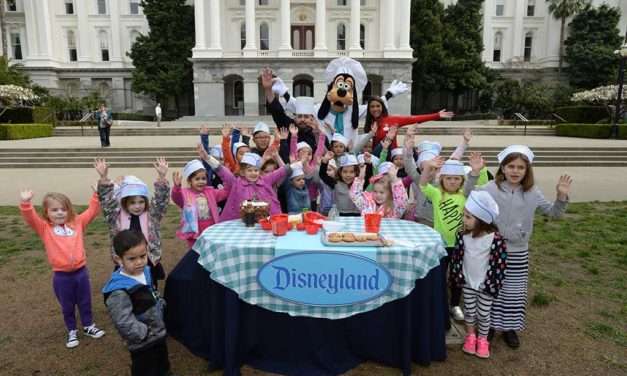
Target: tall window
263 2
104 45
242 35
134 6
71 45
500 7
69 7
102 6
133 37
12 5
498 43
362 36
264 36
342 3
531 8
16 45
528 45
341 37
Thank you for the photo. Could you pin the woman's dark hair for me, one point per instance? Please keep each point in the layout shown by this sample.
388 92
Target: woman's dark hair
190 177
127 239
482 228
369 118
527 182
124 202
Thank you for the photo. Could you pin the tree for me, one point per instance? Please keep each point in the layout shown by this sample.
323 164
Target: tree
594 36
161 58
10 74
561 10
462 67
426 40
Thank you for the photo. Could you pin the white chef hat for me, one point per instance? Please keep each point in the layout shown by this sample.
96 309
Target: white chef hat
302 145
132 186
384 168
261 127
482 205
216 151
251 159
238 145
433 146
339 138
191 167
522 149
349 66
296 172
426 156
304 106
348 160
397 151
452 167
375 161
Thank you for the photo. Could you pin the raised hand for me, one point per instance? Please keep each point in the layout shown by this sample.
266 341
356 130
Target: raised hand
202 153
226 130
177 179
368 158
476 162
204 130
392 172
100 164
327 156
373 129
385 144
362 170
446 114
467 135
283 133
26 195
161 165
563 187
293 130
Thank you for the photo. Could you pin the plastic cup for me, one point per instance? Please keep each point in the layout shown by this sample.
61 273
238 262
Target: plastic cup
280 225
265 224
372 222
312 228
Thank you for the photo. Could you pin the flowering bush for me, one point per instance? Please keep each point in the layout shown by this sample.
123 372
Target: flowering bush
601 95
13 96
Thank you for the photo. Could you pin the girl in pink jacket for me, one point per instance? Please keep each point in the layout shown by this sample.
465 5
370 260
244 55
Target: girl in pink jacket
198 203
250 184
388 198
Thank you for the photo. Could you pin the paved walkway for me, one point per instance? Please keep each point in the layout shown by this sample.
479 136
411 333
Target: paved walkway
603 184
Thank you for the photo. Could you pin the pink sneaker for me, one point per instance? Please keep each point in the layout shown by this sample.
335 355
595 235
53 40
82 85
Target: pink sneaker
483 348
470 344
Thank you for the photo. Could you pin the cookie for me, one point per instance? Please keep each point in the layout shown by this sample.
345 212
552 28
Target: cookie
348 237
334 237
372 236
361 237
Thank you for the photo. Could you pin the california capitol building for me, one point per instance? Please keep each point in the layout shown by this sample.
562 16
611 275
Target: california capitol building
76 46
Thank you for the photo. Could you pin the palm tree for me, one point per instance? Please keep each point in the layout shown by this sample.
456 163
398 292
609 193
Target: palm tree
561 10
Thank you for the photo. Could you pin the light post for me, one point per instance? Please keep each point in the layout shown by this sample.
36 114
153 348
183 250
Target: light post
622 54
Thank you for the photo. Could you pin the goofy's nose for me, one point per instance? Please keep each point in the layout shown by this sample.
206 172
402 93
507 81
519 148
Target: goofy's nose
341 93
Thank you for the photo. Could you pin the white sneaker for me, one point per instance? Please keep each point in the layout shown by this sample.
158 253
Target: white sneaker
457 313
72 339
93 331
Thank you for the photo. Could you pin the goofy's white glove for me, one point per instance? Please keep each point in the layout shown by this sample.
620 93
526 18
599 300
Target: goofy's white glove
397 87
278 87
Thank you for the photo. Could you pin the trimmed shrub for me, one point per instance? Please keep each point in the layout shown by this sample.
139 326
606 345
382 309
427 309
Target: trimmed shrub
477 116
22 131
590 130
17 115
132 116
583 114
76 123
530 122
42 115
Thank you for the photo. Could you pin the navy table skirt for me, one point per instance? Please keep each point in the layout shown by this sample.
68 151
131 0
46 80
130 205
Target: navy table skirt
212 322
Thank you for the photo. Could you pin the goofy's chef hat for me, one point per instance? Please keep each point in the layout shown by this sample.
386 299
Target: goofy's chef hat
346 65
522 149
482 205
191 167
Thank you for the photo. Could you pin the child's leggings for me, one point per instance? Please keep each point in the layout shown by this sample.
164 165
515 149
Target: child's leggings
73 289
456 292
477 307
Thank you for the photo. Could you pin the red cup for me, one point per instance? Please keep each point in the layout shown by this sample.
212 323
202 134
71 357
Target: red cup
311 217
265 224
372 222
280 224
312 228
300 227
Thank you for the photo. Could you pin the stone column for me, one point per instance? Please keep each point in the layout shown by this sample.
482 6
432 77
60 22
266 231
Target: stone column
518 34
45 29
116 41
251 36
389 9
31 24
215 40
286 46
488 32
199 20
83 34
117 94
405 7
208 85
320 49
355 49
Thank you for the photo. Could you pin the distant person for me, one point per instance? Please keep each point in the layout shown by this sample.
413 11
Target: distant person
158 114
104 119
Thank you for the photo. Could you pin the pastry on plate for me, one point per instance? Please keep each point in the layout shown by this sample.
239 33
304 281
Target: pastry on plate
372 236
348 237
335 237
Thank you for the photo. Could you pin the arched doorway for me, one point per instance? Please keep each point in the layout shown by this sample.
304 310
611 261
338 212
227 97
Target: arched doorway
303 86
233 95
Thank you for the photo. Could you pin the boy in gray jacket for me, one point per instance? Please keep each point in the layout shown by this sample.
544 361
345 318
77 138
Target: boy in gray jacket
136 308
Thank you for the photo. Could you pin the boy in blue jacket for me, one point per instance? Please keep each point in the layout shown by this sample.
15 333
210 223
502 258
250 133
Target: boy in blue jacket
136 308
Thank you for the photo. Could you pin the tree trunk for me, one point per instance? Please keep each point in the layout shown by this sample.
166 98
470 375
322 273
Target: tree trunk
177 103
561 57
3 31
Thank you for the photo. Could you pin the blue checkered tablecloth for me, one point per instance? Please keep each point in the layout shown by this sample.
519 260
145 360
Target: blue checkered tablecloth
233 254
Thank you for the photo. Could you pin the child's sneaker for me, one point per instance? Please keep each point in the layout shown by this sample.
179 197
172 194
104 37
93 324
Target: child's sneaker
457 313
470 344
72 339
483 348
93 331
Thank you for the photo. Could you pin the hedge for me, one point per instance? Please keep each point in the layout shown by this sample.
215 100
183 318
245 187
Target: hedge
530 122
132 116
75 123
590 130
22 131
583 114
42 115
